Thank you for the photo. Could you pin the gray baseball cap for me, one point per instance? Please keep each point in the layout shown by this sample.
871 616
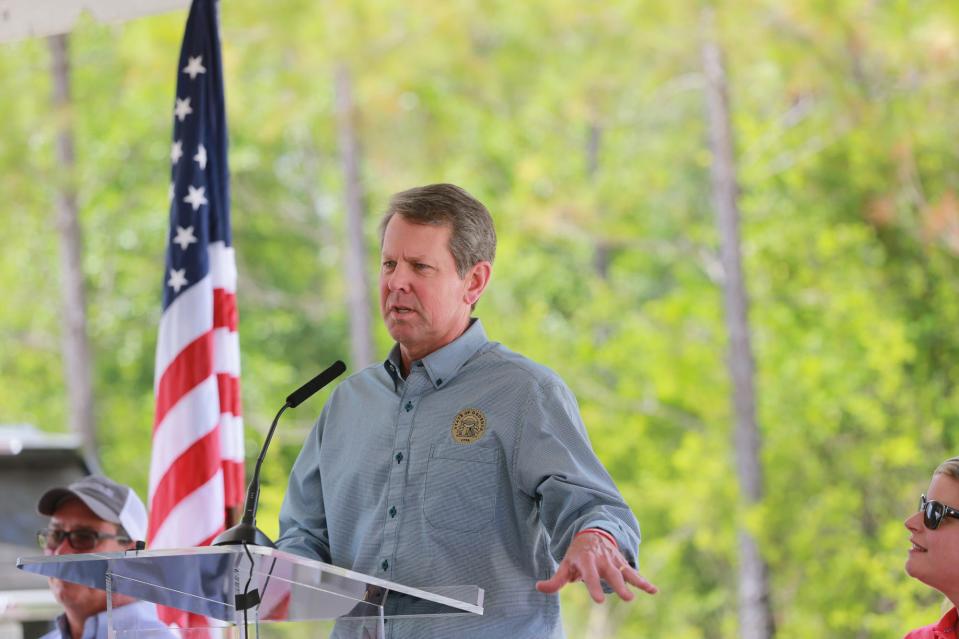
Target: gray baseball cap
107 499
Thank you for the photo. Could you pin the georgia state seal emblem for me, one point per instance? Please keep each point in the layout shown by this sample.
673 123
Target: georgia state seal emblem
469 426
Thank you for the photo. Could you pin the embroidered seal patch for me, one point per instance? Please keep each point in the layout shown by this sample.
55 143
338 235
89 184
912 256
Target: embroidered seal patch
469 425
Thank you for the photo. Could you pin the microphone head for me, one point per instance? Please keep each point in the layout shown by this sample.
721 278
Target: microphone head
305 391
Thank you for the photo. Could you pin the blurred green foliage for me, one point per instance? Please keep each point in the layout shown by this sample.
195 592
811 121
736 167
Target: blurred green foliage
581 126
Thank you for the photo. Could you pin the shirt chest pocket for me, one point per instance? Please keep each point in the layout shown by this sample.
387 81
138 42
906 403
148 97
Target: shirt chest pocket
461 484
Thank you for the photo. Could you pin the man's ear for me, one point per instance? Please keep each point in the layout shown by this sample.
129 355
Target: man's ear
476 280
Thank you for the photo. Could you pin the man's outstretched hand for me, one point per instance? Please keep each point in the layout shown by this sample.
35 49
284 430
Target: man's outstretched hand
592 557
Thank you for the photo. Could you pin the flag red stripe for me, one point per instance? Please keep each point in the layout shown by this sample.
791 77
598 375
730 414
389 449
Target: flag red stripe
229 389
191 470
193 365
234 491
198 624
224 309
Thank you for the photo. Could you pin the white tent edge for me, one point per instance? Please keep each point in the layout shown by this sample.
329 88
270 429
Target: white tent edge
22 19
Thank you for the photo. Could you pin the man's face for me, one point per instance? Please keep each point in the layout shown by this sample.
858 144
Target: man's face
934 557
71 515
424 302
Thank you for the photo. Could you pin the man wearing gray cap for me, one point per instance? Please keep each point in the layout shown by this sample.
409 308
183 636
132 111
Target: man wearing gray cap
95 514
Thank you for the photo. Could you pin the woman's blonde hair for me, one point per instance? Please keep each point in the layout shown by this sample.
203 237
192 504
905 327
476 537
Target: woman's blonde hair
949 467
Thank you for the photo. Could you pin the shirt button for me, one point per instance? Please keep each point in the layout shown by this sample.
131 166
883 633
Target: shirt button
392 511
439 382
409 406
399 457
385 565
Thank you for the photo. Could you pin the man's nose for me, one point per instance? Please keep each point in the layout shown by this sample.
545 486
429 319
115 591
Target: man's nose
64 547
399 279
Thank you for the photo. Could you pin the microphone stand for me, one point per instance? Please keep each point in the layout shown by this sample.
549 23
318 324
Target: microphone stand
246 531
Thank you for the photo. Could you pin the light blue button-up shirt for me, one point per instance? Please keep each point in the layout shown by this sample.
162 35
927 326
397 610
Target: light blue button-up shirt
137 619
475 469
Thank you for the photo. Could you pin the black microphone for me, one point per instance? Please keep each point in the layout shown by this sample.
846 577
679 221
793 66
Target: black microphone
246 531
306 391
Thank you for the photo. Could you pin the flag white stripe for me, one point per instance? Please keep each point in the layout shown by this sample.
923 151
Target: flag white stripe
195 518
226 352
231 437
190 419
223 266
187 318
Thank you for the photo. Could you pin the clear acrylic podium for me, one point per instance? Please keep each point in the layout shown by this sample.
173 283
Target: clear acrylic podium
242 587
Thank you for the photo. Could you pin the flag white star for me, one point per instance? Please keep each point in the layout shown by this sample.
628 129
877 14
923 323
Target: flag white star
177 279
200 157
182 109
171 193
184 237
194 66
176 151
196 198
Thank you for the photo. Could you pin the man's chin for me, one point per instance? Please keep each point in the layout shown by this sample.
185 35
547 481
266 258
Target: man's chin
59 588
400 329
65 591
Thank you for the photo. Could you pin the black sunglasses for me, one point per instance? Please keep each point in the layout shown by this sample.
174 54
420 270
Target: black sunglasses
80 539
934 512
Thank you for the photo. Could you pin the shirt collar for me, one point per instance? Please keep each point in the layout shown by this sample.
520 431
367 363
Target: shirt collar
63 626
948 621
91 625
393 365
443 364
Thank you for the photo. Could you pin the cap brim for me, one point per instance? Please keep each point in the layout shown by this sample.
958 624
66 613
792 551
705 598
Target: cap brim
52 499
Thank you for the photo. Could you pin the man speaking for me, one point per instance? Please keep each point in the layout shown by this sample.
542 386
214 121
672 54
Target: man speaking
457 461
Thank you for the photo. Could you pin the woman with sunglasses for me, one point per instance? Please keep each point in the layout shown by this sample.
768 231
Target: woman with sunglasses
934 556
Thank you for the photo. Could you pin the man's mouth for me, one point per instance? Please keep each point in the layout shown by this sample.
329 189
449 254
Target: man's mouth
401 310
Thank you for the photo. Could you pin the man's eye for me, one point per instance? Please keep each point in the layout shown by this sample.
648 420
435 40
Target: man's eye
389 265
419 266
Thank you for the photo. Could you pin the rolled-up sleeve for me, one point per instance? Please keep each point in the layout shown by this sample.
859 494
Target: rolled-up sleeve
555 465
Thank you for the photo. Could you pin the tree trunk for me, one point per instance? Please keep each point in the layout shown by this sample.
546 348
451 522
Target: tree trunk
597 623
76 346
602 248
357 286
755 610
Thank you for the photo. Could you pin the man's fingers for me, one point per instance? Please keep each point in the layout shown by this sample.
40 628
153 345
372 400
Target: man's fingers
563 576
614 577
591 561
591 579
631 575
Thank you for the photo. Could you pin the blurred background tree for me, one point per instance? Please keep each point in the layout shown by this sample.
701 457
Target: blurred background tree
583 128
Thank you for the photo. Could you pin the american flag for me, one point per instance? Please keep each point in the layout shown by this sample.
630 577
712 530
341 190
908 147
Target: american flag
196 470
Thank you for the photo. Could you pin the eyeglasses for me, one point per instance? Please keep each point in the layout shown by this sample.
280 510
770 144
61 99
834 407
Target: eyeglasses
81 539
934 512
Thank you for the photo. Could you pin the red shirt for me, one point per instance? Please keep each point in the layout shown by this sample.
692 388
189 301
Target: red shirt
945 629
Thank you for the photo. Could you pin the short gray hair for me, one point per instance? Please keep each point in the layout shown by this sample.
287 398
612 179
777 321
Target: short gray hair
472 236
